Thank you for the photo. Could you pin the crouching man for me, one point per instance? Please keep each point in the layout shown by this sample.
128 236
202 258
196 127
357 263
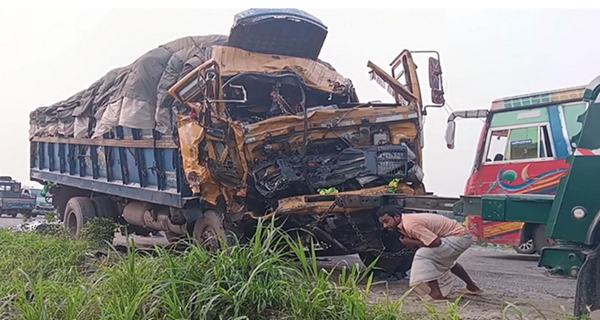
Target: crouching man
439 242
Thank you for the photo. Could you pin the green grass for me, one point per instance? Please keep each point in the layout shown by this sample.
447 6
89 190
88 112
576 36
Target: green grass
51 276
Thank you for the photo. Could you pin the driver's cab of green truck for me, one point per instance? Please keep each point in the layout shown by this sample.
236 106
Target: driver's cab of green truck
574 219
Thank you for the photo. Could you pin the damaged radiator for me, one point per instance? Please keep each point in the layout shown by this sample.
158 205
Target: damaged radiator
352 169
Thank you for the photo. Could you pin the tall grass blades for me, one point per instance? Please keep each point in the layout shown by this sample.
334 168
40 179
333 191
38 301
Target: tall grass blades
272 276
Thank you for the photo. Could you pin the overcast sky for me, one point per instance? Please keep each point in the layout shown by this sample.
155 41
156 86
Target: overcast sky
47 56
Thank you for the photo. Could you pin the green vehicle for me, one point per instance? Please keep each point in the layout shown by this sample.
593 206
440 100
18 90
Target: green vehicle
572 216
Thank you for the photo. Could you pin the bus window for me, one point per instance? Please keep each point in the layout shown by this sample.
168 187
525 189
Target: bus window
521 143
497 149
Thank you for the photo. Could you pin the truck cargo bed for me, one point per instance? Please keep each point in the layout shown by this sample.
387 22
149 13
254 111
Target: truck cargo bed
131 163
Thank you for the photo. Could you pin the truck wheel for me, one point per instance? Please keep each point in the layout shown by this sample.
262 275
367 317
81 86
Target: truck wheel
78 211
209 231
540 240
389 265
13 214
106 208
526 247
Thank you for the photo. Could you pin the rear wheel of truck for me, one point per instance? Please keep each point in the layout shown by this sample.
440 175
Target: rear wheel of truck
13 214
209 231
78 211
540 240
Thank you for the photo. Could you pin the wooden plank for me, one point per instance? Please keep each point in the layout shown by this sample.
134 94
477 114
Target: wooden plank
124 143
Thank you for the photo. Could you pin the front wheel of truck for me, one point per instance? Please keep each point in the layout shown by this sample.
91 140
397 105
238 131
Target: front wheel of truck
209 231
390 265
78 211
526 247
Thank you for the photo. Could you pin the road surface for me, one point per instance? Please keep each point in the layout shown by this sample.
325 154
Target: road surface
504 275
8 222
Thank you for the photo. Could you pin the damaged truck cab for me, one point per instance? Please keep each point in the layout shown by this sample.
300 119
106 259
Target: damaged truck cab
260 128
261 134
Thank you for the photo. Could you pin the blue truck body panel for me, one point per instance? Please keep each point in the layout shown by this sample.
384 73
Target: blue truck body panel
11 198
16 203
130 163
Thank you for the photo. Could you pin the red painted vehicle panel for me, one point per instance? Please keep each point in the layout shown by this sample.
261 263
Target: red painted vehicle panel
522 149
513 178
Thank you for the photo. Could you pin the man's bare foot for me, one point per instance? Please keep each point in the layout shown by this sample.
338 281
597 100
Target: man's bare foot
436 296
474 288
471 290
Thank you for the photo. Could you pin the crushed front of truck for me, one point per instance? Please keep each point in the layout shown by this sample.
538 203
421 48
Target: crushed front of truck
266 135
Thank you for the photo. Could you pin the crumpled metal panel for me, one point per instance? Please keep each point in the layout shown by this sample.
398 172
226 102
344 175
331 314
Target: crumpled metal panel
289 32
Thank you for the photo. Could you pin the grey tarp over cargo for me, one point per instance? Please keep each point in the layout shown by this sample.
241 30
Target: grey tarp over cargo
134 96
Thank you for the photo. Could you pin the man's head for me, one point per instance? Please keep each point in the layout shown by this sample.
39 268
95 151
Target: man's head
390 216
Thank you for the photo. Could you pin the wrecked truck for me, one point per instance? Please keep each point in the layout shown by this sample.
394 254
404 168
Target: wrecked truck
205 135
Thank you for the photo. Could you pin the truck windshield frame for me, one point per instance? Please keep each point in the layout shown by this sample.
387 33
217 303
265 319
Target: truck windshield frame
543 140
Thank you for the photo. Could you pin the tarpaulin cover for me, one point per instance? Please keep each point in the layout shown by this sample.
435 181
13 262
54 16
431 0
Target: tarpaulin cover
136 96
133 96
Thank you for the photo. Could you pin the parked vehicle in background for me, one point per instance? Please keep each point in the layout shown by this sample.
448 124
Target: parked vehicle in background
12 201
522 149
43 204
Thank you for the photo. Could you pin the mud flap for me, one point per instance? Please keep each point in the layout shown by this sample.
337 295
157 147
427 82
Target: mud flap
587 294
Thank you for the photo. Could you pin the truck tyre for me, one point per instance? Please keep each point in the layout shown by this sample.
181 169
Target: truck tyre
526 247
540 240
209 231
13 214
389 265
106 208
78 211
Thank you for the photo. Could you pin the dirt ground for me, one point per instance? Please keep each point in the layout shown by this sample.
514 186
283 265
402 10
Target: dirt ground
505 277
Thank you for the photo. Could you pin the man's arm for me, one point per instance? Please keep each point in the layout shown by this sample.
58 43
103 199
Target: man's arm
436 243
425 237
419 244
411 243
